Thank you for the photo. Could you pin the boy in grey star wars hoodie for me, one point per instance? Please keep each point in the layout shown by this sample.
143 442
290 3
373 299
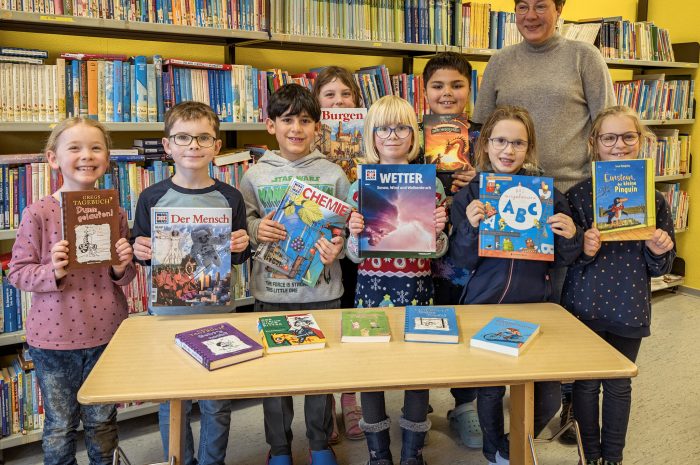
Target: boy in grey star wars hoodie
294 116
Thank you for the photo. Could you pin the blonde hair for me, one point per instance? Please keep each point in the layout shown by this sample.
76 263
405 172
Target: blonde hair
387 111
481 151
618 110
60 128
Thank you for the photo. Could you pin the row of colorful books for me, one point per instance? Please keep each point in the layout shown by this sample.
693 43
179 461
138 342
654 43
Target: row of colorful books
483 28
655 97
670 152
247 15
628 40
15 305
678 200
20 397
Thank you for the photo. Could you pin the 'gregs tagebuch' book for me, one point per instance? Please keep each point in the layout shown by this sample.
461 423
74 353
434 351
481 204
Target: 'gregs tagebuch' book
340 137
218 345
431 324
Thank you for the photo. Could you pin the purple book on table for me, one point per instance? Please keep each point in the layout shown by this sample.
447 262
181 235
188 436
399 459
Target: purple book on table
218 345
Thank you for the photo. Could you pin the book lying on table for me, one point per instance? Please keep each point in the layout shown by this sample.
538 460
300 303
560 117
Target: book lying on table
218 345
365 326
510 337
286 333
431 324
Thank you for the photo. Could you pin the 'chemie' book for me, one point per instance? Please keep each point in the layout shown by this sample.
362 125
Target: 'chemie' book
431 324
91 227
307 214
287 333
218 345
516 212
510 337
191 256
624 199
365 326
398 205
340 137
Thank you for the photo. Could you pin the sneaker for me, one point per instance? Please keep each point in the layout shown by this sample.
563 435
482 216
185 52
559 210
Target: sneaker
351 417
567 414
279 459
465 421
500 460
334 438
322 457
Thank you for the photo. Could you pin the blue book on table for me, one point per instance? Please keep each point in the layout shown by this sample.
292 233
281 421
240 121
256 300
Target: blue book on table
431 324
504 335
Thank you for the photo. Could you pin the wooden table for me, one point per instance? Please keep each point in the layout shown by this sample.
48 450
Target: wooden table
143 363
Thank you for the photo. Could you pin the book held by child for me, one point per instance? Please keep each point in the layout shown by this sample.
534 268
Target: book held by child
340 137
287 333
218 345
431 324
365 326
506 336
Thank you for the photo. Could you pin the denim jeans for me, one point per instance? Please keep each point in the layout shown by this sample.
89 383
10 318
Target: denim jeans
608 442
215 422
60 374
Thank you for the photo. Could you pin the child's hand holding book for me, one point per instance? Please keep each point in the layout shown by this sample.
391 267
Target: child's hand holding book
562 225
356 223
270 230
239 241
125 253
660 243
440 216
329 250
142 248
59 259
475 212
591 242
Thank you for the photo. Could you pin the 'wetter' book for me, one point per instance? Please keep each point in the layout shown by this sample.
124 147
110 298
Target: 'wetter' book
191 256
218 345
516 212
286 333
431 324
91 227
510 337
365 326
340 137
624 199
398 205
307 214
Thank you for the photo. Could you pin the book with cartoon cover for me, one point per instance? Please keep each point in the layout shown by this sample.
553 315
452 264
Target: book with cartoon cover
191 256
340 137
506 336
516 212
447 141
286 333
431 323
365 326
624 201
307 214
218 345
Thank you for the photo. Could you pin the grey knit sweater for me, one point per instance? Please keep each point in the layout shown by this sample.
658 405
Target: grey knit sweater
564 84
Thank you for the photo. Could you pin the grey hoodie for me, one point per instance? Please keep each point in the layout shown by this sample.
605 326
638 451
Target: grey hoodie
263 187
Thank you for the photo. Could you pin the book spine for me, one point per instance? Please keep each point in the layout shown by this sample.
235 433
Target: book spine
141 78
108 97
152 114
117 92
158 66
126 91
83 97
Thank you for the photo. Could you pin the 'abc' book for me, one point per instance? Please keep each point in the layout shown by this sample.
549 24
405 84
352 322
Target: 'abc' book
365 326
286 333
516 212
447 141
340 137
510 337
431 324
624 199
91 227
307 214
191 256
398 205
218 345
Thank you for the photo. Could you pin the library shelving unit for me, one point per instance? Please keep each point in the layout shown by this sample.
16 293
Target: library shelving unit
231 40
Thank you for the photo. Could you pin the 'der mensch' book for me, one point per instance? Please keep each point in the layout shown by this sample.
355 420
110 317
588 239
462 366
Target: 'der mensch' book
624 199
515 225
218 345
191 256
398 205
91 227
431 324
307 214
365 326
287 333
510 337
340 137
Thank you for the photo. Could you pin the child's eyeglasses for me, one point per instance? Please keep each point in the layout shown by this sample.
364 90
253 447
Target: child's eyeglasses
500 143
609 139
203 140
521 9
401 131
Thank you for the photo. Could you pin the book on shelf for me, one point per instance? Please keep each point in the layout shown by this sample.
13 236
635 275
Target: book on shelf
287 333
624 199
677 200
307 214
365 326
90 223
431 324
219 345
24 52
341 137
516 212
398 205
505 336
232 156
191 262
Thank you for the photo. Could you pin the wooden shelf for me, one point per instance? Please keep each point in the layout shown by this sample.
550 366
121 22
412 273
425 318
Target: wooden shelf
124 127
617 63
659 285
680 230
671 177
667 122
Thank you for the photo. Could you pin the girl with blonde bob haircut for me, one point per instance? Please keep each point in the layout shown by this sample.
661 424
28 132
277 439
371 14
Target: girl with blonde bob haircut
388 111
646 137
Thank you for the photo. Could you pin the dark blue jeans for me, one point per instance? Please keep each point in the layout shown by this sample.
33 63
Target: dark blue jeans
609 441
60 374
490 410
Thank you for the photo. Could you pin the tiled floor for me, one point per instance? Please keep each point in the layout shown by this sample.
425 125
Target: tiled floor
663 428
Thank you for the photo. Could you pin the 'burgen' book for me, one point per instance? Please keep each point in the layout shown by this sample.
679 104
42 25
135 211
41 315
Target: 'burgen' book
516 212
286 333
191 256
91 227
431 324
340 137
624 199
307 214
218 345
398 205
507 336
365 326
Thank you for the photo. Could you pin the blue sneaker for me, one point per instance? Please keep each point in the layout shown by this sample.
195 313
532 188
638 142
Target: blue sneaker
322 457
465 421
279 459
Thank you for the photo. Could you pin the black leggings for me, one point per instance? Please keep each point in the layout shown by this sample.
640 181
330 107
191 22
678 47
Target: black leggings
415 406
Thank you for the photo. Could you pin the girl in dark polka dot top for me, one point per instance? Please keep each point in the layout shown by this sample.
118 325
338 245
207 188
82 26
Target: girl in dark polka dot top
608 288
